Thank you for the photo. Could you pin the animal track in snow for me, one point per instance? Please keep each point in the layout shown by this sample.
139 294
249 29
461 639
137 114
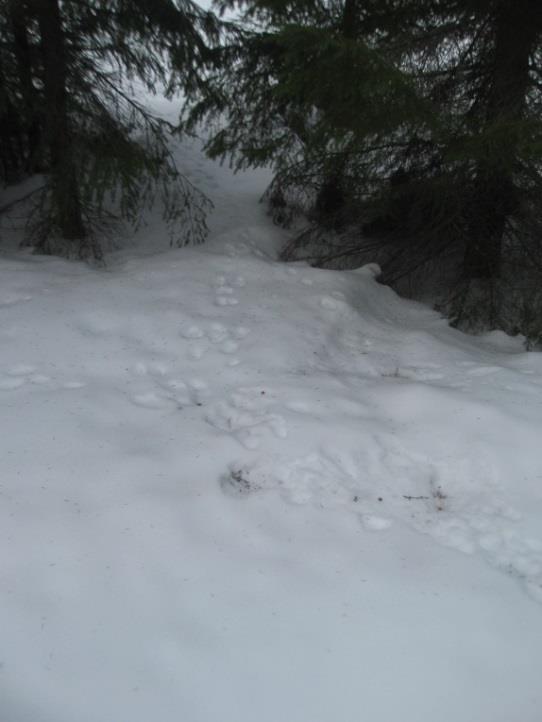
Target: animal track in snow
226 301
227 339
192 331
21 370
489 530
23 374
229 346
321 478
9 383
224 291
247 416
197 351
17 376
74 385
217 333
241 332
10 299
434 501
168 391
39 379
151 400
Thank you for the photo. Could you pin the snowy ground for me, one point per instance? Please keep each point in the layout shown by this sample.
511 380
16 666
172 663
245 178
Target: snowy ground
234 490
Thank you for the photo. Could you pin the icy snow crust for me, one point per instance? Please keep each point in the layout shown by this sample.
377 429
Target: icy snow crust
235 490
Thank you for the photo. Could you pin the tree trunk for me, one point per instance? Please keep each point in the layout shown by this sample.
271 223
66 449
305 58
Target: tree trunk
517 26
332 197
350 20
18 18
66 205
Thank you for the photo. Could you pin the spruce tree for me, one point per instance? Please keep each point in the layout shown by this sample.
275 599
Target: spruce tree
73 67
317 90
14 92
408 130
479 63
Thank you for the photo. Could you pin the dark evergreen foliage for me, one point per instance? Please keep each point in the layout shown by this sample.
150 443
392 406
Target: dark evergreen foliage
67 70
408 130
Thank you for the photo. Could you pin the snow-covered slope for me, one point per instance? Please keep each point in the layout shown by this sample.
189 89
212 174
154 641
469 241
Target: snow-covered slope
234 490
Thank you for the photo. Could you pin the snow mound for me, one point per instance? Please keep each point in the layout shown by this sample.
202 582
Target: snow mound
235 489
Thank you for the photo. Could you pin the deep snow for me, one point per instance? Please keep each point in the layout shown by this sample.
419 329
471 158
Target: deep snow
235 490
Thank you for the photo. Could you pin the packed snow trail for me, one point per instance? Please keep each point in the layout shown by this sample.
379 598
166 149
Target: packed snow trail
238 490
